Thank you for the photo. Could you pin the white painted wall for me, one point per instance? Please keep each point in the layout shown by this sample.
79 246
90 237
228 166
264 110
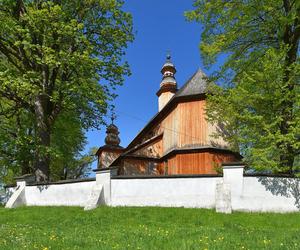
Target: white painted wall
67 194
166 192
231 192
269 194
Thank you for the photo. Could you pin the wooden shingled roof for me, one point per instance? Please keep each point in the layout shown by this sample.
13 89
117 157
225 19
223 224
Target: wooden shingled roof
196 85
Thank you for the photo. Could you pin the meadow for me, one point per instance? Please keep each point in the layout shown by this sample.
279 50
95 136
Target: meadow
145 228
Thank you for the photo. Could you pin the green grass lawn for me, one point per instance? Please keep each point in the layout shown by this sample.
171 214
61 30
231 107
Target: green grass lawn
145 228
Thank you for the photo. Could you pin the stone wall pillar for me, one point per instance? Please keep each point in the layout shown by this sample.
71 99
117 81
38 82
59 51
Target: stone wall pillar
230 189
18 198
103 177
233 174
223 198
21 183
101 192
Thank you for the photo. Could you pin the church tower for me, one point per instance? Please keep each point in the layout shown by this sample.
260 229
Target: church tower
168 85
111 150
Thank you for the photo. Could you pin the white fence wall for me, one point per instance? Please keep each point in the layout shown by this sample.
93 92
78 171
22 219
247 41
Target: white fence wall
67 194
235 192
170 192
269 194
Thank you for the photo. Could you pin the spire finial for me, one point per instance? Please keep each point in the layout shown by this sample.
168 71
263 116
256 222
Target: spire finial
113 117
168 69
168 56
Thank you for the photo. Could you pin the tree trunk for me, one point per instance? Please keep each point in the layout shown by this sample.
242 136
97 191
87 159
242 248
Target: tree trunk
291 39
26 169
42 158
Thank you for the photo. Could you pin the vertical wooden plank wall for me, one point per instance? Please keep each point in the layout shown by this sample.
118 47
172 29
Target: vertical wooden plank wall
185 125
197 163
193 126
170 127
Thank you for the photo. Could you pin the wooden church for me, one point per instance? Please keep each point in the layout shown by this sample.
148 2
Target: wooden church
177 140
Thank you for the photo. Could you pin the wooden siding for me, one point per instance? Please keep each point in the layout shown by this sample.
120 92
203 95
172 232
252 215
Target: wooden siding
185 127
106 158
217 142
193 126
140 167
154 149
197 163
170 127
185 163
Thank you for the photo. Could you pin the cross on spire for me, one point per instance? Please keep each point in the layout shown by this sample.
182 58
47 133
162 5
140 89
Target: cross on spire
168 56
113 117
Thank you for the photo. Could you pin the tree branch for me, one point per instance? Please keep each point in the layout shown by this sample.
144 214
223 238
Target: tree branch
10 95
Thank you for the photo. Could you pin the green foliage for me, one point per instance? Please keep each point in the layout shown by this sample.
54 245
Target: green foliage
16 143
62 49
67 142
258 106
145 228
217 167
60 58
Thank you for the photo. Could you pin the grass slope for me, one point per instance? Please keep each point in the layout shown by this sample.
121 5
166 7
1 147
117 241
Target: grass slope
145 228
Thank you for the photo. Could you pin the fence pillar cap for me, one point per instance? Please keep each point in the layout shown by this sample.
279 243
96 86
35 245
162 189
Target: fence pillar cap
28 178
104 170
232 165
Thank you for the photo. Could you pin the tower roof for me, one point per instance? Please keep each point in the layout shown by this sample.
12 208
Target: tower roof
112 135
168 71
196 85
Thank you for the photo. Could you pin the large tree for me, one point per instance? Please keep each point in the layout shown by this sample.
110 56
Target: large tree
256 42
18 144
61 56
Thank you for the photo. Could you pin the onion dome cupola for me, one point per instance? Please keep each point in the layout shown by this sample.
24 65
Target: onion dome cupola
112 134
112 149
168 71
168 85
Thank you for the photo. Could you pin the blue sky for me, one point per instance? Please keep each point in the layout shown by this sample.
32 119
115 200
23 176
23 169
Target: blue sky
160 26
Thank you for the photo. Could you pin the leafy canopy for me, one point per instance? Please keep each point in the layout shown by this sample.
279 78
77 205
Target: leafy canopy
258 106
60 58
63 49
